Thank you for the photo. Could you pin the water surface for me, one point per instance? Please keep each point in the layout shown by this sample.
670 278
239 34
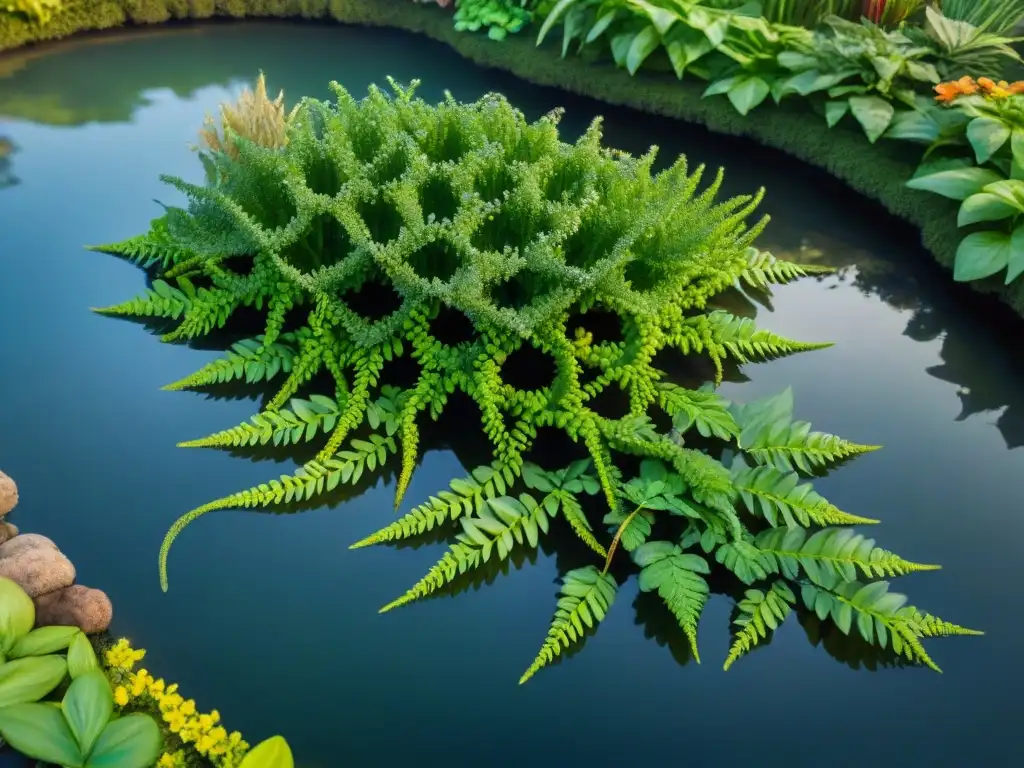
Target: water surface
271 620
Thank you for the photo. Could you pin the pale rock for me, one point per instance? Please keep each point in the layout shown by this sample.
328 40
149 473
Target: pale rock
35 563
75 606
8 494
7 531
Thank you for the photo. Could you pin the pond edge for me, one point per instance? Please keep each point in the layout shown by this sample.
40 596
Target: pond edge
877 171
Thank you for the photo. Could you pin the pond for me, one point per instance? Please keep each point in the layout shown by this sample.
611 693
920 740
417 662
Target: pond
271 620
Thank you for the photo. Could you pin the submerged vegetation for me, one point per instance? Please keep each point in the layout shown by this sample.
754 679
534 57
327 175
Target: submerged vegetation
401 255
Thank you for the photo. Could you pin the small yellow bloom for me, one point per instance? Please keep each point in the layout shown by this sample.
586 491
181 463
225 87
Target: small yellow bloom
121 696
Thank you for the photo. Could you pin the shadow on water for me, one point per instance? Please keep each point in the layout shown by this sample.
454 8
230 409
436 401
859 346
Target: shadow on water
90 439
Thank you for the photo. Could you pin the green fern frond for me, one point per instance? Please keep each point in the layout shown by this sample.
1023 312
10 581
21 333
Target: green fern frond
676 577
566 484
309 480
467 495
800 449
497 528
572 511
301 423
162 300
830 555
745 560
745 342
156 247
764 270
705 410
587 596
880 617
780 499
248 359
760 613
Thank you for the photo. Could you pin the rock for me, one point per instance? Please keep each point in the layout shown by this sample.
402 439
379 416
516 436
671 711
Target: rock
24 542
35 563
75 606
7 532
8 494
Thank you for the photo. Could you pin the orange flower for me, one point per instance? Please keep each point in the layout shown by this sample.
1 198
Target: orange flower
967 85
1017 87
946 91
986 83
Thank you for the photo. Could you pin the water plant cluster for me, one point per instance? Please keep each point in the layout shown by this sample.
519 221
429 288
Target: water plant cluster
401 255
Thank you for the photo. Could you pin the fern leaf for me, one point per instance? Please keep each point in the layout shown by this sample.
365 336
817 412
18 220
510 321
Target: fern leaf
745 342
676 577
497 528
880 617
587 595
764 269
780 499
311 479
154 247
300 423
636 530
247 359
760 613
830 555
572 511
566 483
705 410
162 300
465 497
748 563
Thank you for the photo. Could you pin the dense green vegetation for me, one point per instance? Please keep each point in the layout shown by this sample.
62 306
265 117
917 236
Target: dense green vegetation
458 251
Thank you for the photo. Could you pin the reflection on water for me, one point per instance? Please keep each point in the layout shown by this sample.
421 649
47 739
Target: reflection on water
265 609
7 150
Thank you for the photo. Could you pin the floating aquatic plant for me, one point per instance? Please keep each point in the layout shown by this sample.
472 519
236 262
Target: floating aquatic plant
472 212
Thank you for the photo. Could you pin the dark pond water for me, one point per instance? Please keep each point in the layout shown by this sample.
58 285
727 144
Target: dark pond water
274 622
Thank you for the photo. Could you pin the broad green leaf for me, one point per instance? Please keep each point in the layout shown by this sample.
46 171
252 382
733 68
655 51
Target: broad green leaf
873 113
1017 151
955 183
981 255
747 93
17 614
1010 191
644 44
40 731
913 126
573 26
556 13
132 741
684 46
44 640
601 25
720 86
811 81
661 18
620 45
87 706
27 680
984 207
81 656
987 135
713 25
1015 266
272 753
834 111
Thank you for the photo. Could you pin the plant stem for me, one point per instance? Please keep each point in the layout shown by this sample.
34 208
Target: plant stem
618 535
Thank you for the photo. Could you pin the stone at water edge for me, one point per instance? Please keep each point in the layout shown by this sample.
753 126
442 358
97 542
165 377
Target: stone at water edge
75 606
8 494
35 564
7 531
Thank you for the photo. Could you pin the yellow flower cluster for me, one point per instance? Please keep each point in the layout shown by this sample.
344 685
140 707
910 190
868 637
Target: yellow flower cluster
200 731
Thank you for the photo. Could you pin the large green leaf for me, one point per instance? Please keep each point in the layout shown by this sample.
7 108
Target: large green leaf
661 18
713 24
88 705
873 113
40 731
556 13
955 183
1015 266
44 640
132 741
684 46
980 255
747 92
644 44
17 614
27 680
987 135
984 206
272 753
81 657
1017 152
835 110
1010 191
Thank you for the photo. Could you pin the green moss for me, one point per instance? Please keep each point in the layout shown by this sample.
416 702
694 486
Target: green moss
877 172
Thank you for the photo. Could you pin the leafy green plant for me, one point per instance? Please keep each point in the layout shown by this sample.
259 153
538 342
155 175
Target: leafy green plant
79 733
998 16
498 17
962 48
40 11
807 13
82 732
864 69
989 184
578 255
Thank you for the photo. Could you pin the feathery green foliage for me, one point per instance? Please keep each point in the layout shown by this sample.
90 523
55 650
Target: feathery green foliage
467 213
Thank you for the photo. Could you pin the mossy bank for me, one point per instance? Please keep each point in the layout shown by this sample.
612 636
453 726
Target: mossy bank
877 171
